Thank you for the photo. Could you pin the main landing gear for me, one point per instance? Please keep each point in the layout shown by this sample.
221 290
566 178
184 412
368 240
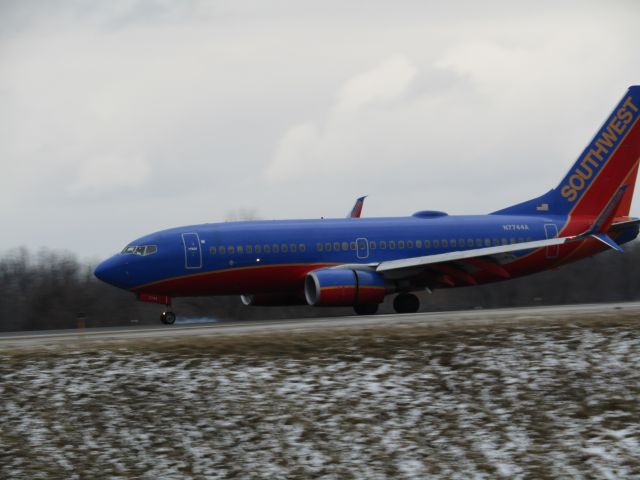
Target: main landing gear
403 303
406 303
366 309
168 317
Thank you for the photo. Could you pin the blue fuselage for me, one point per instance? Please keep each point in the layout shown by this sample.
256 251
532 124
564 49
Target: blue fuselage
180 258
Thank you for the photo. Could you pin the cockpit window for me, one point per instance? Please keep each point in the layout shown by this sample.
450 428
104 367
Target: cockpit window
141 250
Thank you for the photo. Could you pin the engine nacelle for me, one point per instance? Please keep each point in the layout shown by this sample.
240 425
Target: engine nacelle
342 287
272 300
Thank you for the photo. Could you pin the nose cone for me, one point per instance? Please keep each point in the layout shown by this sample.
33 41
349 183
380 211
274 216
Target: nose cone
113 271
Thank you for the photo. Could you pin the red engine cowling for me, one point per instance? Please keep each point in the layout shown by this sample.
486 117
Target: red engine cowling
341 287
272 300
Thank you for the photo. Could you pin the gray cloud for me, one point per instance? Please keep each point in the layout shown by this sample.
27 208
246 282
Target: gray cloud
119 118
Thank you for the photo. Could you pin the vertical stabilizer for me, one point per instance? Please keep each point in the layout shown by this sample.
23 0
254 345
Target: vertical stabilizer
607 164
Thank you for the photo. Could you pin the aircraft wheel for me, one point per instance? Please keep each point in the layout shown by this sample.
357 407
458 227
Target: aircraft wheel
366 309
406 303
168 318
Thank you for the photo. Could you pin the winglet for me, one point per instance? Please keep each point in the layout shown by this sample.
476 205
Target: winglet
356 211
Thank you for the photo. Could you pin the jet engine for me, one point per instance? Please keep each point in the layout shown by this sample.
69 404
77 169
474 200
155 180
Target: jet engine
343 287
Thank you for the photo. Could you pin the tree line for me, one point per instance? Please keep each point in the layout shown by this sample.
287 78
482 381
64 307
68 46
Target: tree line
53 289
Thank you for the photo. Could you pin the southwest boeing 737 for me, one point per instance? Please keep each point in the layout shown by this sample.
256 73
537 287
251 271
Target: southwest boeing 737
357 261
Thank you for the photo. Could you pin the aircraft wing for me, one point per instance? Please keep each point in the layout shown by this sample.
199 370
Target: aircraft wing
489 253
455 267
456 264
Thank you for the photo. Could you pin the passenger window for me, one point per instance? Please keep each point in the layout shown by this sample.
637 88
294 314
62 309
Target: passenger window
240 249
345 246
479 242
401 244
258 249
392 244
418 243
352 245
436 244
213 250
336 246
529 239
231 250
327 247
293 248
453 243
249 249
461 243
372 245
520 240
409 243
487 242
470 242
222 250
319 247
383 245
284 248
302 247
275 248
445 243
495 242
427 244
267 249
504 241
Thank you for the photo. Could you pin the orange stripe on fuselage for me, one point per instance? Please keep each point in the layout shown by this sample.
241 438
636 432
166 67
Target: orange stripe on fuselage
235 281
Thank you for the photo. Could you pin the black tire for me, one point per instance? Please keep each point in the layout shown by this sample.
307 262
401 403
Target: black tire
366 309
406 303
168 318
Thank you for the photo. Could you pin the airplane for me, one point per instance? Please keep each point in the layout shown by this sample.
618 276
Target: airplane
357 262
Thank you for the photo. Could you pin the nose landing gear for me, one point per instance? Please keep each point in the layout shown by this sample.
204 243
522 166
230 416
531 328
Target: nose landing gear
168 317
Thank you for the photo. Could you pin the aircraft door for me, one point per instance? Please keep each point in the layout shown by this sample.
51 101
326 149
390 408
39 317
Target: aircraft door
551 231
192 250
362 248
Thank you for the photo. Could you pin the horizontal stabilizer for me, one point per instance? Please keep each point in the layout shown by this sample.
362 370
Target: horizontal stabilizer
608 241
619 226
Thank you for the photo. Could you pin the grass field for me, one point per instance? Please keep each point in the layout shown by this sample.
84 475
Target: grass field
552 400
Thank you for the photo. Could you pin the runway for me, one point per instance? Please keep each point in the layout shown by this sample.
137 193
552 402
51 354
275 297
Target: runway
440 320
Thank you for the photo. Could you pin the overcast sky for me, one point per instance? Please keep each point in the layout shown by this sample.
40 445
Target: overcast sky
120 118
